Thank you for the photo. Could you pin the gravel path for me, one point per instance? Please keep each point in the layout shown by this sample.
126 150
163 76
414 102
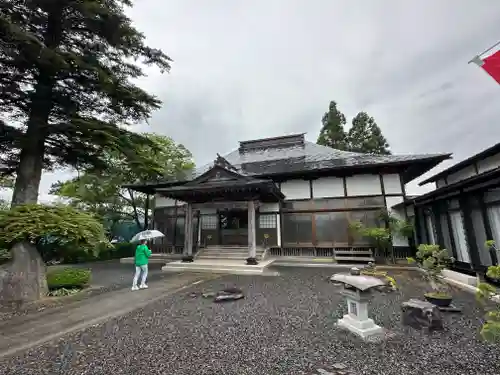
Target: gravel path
285 325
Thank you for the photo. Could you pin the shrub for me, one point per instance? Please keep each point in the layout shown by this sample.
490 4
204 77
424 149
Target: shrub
68 278
123 250
57 231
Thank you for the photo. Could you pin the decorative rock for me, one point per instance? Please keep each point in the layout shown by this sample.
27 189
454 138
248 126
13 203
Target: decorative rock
421 315
229 294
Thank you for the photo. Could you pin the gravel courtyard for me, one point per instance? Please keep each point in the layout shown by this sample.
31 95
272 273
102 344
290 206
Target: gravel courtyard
285 325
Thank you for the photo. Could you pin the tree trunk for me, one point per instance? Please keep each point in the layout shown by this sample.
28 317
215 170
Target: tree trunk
24 278
29 171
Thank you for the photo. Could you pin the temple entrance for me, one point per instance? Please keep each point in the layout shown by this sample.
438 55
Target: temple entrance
234 227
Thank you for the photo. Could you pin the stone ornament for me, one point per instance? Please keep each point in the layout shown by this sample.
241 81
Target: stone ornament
421 315
357 290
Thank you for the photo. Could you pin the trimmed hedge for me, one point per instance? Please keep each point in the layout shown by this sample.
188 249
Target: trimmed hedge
116 251
68 278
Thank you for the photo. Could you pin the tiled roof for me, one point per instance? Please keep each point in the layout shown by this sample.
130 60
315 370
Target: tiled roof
292 154
307 157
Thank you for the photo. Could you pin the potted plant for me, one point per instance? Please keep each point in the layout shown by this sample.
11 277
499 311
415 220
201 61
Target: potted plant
432 260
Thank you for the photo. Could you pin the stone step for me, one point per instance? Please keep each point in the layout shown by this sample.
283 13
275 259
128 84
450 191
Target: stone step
233 257
222 255
216 266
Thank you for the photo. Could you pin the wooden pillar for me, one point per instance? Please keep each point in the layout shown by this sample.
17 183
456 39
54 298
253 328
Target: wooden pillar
252 248
188 234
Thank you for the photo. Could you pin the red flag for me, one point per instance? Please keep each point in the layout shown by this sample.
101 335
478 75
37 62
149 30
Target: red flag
491 65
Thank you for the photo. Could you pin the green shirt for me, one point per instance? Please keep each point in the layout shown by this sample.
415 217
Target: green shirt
142 253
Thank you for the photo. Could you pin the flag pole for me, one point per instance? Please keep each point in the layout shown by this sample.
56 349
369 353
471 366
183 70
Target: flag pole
482 53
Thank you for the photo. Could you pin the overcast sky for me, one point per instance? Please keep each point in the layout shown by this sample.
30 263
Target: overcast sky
252 69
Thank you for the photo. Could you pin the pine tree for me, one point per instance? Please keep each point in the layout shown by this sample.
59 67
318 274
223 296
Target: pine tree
332 133
366 137
66 90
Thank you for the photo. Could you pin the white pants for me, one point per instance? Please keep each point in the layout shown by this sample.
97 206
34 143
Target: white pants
138 270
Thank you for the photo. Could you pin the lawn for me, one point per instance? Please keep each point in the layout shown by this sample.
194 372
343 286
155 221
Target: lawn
285 325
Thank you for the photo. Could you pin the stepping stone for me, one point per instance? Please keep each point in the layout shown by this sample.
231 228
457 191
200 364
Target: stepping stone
229 294
421 315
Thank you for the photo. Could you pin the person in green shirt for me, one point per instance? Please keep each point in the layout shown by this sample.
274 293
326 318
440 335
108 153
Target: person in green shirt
142 254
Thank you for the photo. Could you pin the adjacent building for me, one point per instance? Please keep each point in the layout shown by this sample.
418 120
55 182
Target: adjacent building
463 212
282 196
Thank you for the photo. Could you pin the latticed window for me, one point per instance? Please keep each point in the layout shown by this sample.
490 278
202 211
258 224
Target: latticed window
267 221
209 222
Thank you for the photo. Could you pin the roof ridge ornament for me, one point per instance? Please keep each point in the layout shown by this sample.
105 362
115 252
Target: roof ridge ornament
220 161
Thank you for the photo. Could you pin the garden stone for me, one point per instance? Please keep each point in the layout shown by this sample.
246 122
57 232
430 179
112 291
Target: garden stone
421 315
229 294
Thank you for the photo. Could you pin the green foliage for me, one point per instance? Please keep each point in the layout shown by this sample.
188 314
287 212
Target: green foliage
491 328
493 272
432 260
365 136
381 237
489 243
382 275
64 228
68 73
68 278
102 193
332 133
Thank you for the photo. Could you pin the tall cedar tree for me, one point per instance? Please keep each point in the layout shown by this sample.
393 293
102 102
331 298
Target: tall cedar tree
365 136
66 91
332 133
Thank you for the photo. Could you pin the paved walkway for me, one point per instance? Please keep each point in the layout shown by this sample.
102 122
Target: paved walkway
23 333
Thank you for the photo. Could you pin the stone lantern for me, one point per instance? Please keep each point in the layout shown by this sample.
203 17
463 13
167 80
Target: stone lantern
357 289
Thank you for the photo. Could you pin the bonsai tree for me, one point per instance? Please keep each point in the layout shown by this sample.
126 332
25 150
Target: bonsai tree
491 328
26 228
432 260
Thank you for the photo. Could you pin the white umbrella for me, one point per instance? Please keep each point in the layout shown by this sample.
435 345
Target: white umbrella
147 235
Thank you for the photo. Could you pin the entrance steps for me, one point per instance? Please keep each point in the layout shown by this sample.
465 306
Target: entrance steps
228 252
224 266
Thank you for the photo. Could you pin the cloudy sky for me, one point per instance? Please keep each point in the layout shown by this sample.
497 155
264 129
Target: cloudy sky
252 69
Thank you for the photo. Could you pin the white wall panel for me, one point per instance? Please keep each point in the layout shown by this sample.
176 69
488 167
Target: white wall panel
461 175
363 184
296 189
269 207
399 213
161 201
489 163
328 187
207 211
392 184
